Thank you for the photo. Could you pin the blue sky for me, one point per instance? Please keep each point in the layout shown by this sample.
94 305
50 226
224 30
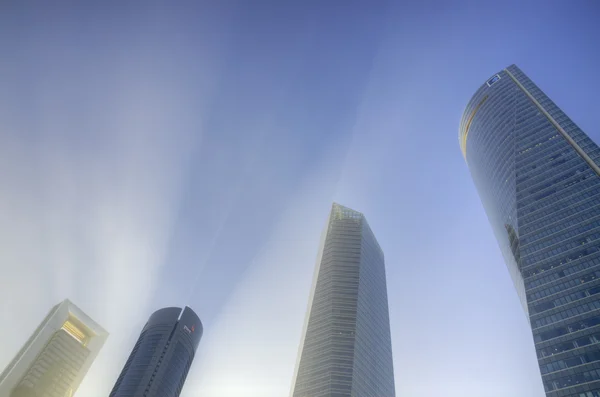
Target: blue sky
167 155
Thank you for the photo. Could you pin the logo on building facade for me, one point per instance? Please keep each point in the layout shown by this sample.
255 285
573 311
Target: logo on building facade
493 80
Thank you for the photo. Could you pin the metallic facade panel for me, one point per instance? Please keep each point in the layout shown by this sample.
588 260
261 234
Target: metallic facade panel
161 358
538 178
346 344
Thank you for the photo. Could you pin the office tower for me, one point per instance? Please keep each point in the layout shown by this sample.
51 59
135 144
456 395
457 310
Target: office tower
56 357
346 349
162 355
538 178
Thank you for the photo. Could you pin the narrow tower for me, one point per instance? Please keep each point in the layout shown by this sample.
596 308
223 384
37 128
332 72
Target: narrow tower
346 348
537 174
162 356
56 357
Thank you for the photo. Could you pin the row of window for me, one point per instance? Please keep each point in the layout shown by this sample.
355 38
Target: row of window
306 389
548 164
562 315
534 153
527 218
501 146
586 278
138 362
561 223
527 114
177 367
558 115
557 203
560 248
550 261
539 117
570 345
575 296
156 367
52 373
492 114
565 218
590 262
572 380
567 329
531 148
593 393
502 172
536 225
552 148
526 171
570 362
575 132
540 166
538 132
526 109
578 136
583 227
545 183
578 177
584 142
64 346
497 163
533 89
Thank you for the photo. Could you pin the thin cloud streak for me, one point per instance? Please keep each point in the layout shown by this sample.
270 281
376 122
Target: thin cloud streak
262 320
91 222
130 163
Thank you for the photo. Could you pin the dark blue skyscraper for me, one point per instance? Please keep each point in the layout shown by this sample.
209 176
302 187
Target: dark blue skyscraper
537 174
346 348
162 356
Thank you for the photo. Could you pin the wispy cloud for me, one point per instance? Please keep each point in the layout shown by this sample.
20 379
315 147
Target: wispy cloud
90 219
261 323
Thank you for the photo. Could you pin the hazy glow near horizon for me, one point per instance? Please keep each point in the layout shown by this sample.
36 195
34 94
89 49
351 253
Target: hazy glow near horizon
189 156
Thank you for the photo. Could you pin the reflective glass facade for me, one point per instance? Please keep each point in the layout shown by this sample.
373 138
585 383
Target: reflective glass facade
538 178
162 356
346 349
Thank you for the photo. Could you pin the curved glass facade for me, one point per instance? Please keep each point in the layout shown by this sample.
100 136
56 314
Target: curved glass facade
162 356
538 179
346 349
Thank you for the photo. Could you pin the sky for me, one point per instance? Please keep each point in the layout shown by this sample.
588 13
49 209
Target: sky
167 154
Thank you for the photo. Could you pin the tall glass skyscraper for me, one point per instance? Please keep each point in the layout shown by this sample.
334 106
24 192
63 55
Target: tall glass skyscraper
55 359
346 349
537 174
162 356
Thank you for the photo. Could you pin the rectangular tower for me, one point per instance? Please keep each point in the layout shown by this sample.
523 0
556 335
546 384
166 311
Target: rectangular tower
538 177
56 357
346 348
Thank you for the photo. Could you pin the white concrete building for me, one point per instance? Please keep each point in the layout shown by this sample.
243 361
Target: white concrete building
54 360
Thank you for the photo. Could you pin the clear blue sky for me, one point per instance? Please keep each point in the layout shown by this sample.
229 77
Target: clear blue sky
188 154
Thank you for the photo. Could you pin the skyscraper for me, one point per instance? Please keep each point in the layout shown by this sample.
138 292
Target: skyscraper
162 356
56 357
537 174
346 348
